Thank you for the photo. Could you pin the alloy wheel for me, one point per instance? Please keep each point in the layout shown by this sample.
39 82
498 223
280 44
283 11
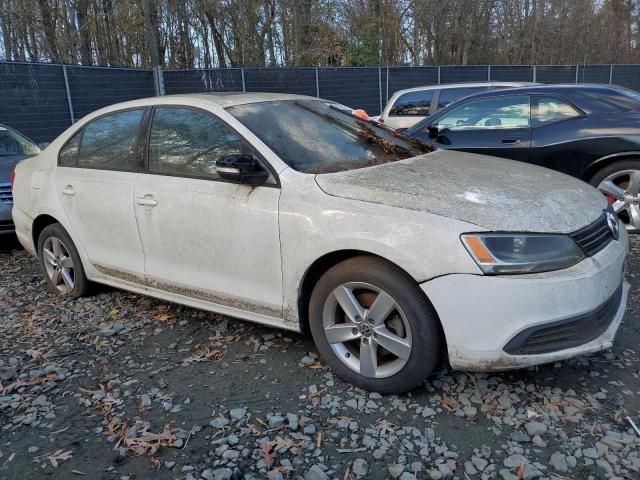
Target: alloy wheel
58 264
367 330
622 190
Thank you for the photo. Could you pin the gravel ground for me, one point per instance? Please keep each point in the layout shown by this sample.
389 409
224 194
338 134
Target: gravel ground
120 386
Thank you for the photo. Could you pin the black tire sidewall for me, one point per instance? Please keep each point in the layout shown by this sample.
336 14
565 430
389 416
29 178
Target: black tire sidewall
425 327
81 284
600 175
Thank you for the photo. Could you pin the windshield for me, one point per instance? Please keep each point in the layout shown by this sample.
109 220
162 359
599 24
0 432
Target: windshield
12 143
315 136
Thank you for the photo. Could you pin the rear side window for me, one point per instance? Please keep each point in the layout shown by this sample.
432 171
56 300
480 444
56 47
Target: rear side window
109 142
450 95
553 109
69 153
412 103
188 142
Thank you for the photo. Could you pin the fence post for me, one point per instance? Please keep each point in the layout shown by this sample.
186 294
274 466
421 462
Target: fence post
611 74
317 84
69 102
534 74
380 88
577 69
387 99
244 87
438 74
488 73
158 80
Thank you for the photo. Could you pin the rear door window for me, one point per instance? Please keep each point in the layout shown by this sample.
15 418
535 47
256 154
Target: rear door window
109 142
412 103
450 95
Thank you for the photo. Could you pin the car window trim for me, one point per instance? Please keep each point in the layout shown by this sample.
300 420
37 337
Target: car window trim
535 97
83 129
147 147
435 120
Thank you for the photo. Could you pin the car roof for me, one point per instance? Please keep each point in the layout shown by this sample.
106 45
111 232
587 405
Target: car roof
446 86
567 89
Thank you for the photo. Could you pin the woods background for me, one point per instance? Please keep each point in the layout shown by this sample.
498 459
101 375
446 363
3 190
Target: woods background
227 33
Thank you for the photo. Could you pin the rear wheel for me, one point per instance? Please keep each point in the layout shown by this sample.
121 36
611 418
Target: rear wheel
374 326
620 183
61 262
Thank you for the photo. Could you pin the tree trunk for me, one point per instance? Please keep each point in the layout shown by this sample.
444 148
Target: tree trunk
151 31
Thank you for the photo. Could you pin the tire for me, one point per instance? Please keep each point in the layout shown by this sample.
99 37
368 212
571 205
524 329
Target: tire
412 328
65 263
615 181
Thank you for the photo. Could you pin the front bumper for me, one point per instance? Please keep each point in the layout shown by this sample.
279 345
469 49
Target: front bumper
485 317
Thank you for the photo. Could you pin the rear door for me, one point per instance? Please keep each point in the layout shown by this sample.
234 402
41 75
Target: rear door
94 179
499 126
205 237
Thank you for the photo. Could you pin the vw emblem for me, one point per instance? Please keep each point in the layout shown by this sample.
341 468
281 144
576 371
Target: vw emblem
612 223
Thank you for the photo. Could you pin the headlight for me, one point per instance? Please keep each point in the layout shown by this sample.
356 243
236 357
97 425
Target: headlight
497 253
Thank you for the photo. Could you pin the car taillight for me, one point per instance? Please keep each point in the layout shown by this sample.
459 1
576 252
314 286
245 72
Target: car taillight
13 179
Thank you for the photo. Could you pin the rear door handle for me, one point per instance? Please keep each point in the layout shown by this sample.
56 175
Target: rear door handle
147 201
68 191
511 140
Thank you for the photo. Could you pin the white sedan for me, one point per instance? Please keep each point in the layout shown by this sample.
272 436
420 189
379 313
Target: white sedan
291 212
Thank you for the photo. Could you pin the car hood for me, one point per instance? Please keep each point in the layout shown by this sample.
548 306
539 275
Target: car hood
7 164
493 193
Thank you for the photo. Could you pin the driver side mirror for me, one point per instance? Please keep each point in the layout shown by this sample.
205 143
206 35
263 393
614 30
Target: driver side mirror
242 168
432 130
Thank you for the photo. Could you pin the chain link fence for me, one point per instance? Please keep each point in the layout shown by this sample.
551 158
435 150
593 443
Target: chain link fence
42 100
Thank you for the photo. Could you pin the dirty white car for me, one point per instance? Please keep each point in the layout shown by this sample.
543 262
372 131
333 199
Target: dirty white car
289 211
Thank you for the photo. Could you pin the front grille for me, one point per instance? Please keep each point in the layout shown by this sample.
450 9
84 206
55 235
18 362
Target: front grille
6 226
593 237
563 334
5 193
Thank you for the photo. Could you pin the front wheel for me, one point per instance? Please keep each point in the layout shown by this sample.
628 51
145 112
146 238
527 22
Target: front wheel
61 262
620 183
374 326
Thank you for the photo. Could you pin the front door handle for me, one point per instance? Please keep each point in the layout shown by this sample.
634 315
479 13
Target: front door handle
511 140
68 191
147 201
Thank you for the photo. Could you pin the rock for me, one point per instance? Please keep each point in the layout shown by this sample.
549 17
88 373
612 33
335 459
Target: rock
360 467
559 463
292 421
238 413
307 360
515 460
479 462
219 422
353 403
407 476
507 475
222 474
428 412
591 453
207 474
470 411
316 473
520 437
469 469
33 449
275 475
169 464
276 421
536 428
309 429
395 470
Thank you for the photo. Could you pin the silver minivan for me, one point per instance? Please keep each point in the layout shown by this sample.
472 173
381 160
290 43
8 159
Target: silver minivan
406 107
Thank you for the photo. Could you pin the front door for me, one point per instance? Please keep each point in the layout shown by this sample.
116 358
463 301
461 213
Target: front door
204 237
498 126
94 181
